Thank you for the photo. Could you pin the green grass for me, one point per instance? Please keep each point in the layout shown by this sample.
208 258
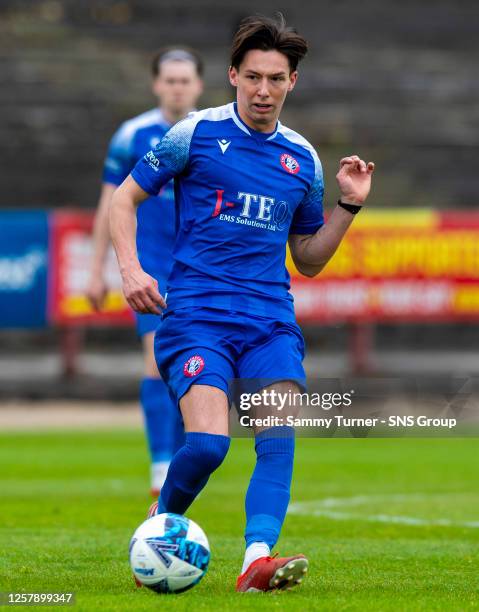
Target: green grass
69 503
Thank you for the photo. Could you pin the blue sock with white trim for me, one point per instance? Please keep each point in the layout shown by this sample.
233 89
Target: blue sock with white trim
190 470
268 493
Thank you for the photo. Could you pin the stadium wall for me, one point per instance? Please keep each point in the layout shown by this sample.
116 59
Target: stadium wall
396 82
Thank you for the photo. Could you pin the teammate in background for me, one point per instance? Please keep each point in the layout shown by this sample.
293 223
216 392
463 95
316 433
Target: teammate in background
177 86
246 185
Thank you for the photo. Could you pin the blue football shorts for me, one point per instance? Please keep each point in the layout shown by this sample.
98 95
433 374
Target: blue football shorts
213 347
146 323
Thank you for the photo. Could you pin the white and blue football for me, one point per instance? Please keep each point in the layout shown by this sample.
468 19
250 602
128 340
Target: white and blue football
169 553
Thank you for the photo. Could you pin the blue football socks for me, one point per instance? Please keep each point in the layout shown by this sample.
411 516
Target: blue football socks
190 469
161 417
268 493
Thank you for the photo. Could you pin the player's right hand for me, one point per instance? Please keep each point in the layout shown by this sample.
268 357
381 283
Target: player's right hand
96 292
141 292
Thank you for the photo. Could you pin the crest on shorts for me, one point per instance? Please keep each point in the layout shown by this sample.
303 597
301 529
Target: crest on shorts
193 366
289 163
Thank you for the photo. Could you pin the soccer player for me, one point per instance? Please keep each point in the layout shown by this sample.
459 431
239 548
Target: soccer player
246 184
177 85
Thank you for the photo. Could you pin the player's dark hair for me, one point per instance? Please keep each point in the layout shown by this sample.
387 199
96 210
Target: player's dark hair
268 34
179 54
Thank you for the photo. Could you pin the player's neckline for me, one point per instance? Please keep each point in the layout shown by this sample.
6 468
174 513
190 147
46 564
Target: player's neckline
252 132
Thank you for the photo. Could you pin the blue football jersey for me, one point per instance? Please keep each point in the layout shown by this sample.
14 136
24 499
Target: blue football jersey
155 216
239 194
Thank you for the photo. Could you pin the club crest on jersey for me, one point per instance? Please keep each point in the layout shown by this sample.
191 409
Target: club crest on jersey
193 366
289 164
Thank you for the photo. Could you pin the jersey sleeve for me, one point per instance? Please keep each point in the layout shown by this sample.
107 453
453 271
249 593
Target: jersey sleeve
119 159
308 217
169 158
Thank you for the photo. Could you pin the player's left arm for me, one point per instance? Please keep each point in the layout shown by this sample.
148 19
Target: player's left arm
311 252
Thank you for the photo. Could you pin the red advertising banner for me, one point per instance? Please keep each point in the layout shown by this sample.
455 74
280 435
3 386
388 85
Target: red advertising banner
70 255
408 265
403 265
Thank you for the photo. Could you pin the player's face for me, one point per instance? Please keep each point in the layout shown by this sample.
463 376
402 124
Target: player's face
177 87
262 83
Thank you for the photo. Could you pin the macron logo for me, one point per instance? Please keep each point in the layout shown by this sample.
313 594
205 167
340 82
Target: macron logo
224 144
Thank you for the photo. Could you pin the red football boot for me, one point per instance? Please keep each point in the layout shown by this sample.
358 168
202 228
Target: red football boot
152 510
273 573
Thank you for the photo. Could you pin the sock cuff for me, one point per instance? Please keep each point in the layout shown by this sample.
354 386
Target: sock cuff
275 440
203 441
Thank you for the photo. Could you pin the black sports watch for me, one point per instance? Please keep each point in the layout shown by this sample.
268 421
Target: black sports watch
352 208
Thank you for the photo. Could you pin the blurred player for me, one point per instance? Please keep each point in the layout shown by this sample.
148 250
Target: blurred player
177 86
246 185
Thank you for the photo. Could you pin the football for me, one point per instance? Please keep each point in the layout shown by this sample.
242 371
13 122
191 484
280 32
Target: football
169 553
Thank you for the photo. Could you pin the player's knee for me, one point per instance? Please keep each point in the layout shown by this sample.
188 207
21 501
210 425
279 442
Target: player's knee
209 450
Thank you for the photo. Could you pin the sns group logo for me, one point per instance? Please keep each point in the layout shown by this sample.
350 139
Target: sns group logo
193 366
289 163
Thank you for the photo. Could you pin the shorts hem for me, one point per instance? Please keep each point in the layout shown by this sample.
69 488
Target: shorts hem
203 383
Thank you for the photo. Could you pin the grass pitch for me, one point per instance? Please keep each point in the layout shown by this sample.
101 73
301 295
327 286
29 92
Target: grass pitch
387 524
